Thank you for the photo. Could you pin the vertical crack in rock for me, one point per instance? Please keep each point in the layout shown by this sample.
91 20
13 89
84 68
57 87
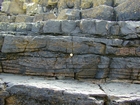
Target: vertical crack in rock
106 98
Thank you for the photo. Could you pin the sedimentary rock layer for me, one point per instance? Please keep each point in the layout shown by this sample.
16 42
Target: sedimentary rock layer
70 48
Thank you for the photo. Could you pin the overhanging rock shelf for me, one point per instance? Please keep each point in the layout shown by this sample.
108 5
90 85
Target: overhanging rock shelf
27 90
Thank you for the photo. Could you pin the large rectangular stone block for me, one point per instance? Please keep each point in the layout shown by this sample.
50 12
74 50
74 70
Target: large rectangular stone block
81 62
83 45
68 26
60 44
52 26
13 44
23 18
120 73
23 27
88 26
124 63
123 51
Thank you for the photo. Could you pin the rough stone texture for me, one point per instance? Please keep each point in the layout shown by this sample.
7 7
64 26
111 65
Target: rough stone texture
122 93
69 48
18 7
20 90
116 10
102 12
23 18
52 26
70 39
129 10
69 14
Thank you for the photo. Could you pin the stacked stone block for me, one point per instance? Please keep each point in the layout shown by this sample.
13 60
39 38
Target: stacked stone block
100 49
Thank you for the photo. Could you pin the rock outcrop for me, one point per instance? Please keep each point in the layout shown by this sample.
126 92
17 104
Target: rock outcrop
100 49
89 40
116 10
21 90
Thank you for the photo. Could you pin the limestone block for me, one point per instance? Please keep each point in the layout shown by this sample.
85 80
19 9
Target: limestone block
86 4
86 73
84 63
132 36
85 45
3 26
88 26
60 44
127 51
69 14
49 16
131 43
100 12
52 26
31 9
11 66
11 27
68 26
23 27
101 73
37 27
23 18
15 7
5 6
102 2
115 30
38 17
129 27
124 13
9 19
123 63
104 62
68 4
120 73
118 2
111 50
13 44
101 27
123 51
110 42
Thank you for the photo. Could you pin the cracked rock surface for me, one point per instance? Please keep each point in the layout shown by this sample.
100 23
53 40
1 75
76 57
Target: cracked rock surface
27 90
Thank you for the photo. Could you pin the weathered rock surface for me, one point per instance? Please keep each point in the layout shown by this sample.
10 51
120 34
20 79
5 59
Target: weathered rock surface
128 10
116 10
72 48
102 12
95 40
20 90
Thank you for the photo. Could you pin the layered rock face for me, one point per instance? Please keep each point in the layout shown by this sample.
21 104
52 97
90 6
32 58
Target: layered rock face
76 39
90 40
72 48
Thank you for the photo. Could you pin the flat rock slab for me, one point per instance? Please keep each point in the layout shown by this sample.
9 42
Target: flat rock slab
45 91
122 93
